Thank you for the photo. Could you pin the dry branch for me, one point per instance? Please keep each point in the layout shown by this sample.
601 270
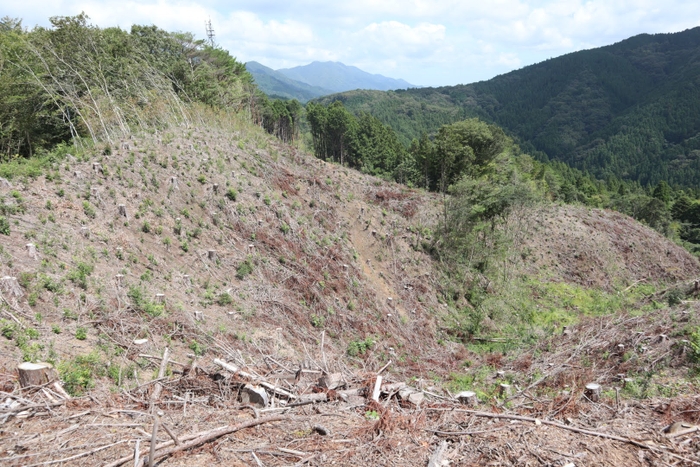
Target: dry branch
574 429
237 371
203 437
436 459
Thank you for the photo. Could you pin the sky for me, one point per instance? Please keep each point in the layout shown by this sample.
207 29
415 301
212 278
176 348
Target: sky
427 43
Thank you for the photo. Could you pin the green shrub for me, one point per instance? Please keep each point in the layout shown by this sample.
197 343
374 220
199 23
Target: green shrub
4 226
7 329
224 299
359 347
89 210
244 269
81 334
674 297
79 374
232 194
80 274
197 348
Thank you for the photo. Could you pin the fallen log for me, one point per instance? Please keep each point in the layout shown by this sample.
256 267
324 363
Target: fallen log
237 371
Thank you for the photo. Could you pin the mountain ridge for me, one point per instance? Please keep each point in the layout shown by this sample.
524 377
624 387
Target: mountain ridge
318 79
626 109
278 85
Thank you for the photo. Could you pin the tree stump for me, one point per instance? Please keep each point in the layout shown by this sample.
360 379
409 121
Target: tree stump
198 316
97 167
31 250
11 286
331 381
173 182
77 174
186 280
593 391
211 254
254 395
35 374
160 298
467 398
85 232
119 278
215 187
122 210
505 390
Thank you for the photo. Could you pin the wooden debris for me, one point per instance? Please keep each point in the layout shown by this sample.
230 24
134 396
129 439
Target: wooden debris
237 371
167 448
161 373
377 389
436 460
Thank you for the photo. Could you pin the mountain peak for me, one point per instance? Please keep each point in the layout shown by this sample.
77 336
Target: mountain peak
339 77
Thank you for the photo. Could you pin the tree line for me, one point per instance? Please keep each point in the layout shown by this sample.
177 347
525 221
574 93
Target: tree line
472 151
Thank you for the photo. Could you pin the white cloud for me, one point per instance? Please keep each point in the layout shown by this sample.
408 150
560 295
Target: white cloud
423 41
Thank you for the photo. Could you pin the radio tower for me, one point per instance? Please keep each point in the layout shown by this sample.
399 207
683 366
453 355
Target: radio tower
210 32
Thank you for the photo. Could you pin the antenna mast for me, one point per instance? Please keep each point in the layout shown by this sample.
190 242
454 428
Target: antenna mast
210 32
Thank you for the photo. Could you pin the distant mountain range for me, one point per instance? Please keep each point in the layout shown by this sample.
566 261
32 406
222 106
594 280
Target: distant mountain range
318 79
630 109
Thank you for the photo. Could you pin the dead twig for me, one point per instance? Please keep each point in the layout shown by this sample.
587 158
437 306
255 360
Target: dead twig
78 456
166 449
575 430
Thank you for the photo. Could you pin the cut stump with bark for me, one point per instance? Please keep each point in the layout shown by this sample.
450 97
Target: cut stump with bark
35 374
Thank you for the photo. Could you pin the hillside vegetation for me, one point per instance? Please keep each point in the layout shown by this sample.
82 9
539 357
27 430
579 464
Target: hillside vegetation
182 213
627 110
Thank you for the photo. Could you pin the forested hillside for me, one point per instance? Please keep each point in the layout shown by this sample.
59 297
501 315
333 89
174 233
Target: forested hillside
630 110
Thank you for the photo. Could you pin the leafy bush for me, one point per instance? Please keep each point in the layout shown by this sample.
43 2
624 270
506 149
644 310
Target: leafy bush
78 374
4 226
674 297
232 194
89 210
244 269
224 299
81 334
197 348
80 274
140 303
359 347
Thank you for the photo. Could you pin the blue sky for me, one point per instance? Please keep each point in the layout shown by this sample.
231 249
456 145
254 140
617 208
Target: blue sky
432 43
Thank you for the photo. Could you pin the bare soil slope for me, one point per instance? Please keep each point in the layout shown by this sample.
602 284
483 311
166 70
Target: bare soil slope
602 248
234 246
